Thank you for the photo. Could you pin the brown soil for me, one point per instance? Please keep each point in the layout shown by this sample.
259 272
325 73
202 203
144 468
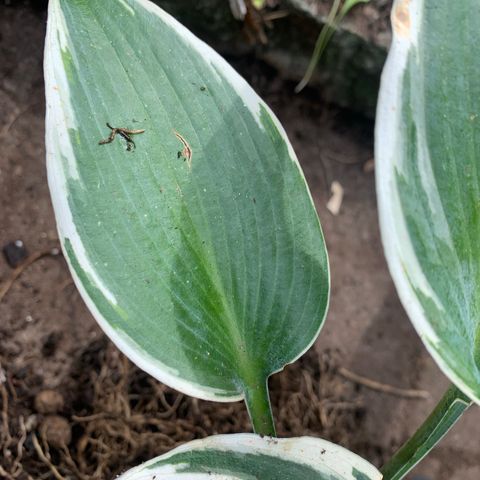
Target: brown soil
117 416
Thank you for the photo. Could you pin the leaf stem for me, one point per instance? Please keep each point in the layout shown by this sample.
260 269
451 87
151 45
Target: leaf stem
257 400
450 408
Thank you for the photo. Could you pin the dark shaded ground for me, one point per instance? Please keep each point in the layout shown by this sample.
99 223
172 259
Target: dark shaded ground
119 416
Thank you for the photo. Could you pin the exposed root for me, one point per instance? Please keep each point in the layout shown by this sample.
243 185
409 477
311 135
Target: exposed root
5 435
11 467
23 436
312 402
45 459
120 416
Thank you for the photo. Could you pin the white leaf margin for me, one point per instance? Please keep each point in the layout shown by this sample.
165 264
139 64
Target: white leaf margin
320 455
406 22
60 117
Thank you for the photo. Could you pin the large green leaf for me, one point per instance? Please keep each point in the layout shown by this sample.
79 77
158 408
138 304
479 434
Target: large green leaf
428 166
249 457
199 252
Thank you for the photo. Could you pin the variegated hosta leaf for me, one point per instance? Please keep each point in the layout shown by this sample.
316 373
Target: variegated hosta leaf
250 457
199 251
428 177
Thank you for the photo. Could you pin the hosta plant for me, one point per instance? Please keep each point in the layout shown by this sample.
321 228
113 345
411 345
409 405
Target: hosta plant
191 234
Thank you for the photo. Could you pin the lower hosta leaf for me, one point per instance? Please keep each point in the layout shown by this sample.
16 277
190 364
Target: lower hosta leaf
187 222
250 457
428 177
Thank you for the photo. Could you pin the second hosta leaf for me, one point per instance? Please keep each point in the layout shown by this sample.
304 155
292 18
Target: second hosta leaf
428 177
198 249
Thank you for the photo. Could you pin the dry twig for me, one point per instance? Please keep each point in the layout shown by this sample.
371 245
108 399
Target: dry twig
381 387
7 284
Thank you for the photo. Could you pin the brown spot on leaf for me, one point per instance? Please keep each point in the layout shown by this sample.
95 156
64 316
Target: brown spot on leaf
401 18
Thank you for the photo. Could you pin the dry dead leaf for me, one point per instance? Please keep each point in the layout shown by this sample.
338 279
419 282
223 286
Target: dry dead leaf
335 202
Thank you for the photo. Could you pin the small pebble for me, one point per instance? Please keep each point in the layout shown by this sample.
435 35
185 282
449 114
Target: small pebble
15 253
56 431
48 401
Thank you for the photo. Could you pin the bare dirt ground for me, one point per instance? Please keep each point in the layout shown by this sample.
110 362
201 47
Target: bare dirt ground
109 415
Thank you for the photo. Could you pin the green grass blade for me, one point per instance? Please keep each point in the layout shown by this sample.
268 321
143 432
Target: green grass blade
326 33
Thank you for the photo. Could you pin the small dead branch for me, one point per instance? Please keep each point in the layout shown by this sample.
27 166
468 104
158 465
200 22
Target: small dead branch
276 15
381 387
7 284
125 133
